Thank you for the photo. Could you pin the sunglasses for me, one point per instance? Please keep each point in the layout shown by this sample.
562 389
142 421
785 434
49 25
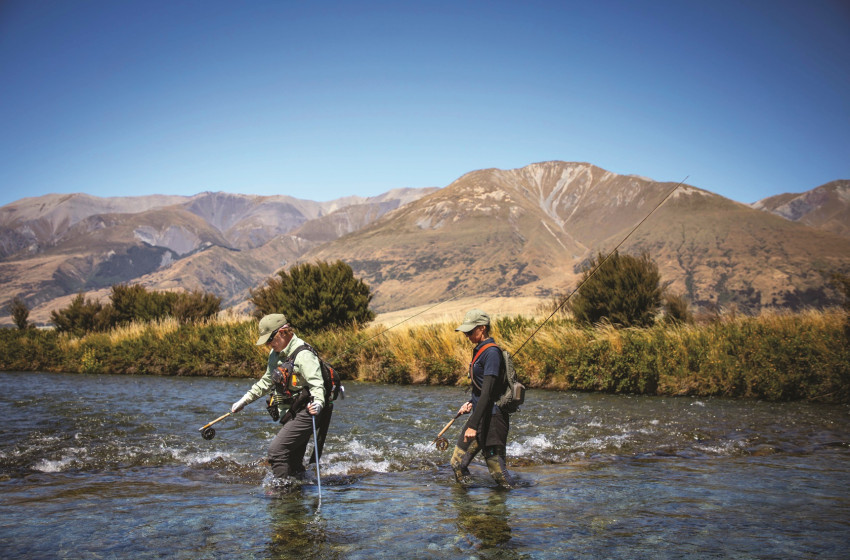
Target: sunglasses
274 334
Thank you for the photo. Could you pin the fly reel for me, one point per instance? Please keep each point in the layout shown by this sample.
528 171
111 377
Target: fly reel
207 431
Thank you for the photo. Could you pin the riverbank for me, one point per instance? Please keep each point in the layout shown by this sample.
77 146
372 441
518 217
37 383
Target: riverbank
776 357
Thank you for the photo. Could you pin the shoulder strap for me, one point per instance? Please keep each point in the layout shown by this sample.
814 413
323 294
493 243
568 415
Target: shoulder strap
295 352
475 359
482 349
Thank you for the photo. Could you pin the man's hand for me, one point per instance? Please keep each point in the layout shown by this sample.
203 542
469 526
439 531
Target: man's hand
238 405
466 408
314 408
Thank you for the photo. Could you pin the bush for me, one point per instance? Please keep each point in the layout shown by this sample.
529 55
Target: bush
82 316
622 290
133 304
676 309
195 306
514 326
315 297
20 313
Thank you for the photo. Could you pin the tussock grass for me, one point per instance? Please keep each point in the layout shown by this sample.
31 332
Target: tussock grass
774 356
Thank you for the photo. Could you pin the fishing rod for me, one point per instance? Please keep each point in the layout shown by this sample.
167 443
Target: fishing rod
598 266
344 352
207 432
441 442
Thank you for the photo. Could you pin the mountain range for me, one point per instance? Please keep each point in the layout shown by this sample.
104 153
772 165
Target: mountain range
492 232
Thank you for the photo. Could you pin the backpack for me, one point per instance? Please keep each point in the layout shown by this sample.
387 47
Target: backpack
514 394
333 384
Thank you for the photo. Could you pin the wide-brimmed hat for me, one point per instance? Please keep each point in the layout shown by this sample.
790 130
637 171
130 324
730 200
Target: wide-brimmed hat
268 325
472 319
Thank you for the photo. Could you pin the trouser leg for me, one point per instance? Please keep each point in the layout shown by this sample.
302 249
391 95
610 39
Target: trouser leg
286 451
494 456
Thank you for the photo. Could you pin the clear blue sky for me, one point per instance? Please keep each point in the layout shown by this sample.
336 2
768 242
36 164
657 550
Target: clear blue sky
327 99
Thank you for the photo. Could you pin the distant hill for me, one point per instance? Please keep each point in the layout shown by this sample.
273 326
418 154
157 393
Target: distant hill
491 233
826 207
58 245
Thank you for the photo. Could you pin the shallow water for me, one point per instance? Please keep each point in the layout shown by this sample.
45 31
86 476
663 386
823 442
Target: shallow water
114 467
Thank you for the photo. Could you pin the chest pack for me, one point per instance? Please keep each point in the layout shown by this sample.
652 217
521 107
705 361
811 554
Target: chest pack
513 394
333 384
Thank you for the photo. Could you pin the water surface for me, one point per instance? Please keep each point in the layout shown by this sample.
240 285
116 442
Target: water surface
114 467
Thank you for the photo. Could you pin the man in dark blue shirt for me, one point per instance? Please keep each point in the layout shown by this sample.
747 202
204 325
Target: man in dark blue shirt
487 427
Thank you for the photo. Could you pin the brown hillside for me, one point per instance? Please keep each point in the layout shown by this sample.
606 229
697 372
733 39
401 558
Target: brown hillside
826 207
526 232
503 234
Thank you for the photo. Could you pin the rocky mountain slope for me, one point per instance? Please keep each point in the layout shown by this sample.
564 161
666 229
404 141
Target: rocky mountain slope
529 231
55 246
826 207
492 233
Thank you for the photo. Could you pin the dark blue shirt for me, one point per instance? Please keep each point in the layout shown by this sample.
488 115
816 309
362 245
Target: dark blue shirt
488 363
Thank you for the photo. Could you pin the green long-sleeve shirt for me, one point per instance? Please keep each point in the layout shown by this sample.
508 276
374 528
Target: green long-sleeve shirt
307 373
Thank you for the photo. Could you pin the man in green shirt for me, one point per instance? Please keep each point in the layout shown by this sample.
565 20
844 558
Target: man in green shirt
298 394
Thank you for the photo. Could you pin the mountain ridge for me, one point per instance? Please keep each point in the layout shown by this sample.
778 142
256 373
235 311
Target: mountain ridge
550 218
522 232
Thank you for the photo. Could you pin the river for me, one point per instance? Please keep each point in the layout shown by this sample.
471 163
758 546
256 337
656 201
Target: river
107 466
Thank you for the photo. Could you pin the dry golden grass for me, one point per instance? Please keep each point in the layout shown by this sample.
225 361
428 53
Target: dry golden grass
451 312
776 356
160 327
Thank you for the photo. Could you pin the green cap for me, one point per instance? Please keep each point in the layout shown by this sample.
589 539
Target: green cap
268 325
473 318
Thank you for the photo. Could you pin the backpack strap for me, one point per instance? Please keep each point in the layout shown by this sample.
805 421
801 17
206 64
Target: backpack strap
475 359
322 364
291 358
295 352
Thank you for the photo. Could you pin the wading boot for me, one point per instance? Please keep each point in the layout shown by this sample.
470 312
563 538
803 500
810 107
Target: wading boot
460 462
494 456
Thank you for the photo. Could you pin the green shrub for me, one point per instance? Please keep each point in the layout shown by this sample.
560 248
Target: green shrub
81 316
20 313
441 370
509 327
623 290
316 296
676 309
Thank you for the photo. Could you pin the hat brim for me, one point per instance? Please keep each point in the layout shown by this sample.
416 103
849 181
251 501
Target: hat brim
466 327
263 339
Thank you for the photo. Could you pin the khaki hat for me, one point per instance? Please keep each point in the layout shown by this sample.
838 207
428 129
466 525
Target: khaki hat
473 318
268 325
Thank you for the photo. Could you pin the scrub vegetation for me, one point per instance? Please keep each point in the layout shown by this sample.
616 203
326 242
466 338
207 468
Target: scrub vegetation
315 296
133 303
772 356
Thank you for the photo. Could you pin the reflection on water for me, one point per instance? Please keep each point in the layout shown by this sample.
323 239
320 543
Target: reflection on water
484 521
114 466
